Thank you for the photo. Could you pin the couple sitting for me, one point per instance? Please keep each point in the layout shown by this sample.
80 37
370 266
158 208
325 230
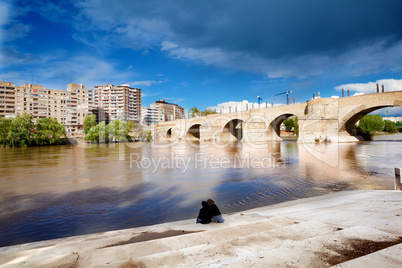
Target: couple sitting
209 212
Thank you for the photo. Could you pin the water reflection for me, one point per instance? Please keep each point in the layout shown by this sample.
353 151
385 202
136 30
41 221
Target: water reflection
59 191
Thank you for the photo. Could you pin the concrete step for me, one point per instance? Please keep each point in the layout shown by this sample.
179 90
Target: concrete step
96 247
319 251
188 242
390 257
222 247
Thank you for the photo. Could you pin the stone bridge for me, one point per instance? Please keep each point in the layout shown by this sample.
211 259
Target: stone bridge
320 120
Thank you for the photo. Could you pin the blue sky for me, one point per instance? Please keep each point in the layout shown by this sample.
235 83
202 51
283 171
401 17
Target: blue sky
202 53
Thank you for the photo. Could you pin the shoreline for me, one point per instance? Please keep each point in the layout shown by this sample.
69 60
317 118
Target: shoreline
370 212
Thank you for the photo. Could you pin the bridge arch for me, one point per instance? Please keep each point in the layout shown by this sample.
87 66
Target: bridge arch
233 130
169 133
274 128
349 120
193 132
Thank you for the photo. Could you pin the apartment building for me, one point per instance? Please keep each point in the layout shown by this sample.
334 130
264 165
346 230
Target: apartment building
117 102
151 116
69 106
162 111
7 99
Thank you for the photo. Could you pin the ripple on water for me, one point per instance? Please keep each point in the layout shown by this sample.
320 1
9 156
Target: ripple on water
68 190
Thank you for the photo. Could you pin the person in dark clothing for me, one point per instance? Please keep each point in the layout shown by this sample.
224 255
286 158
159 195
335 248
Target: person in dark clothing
205 214
216 214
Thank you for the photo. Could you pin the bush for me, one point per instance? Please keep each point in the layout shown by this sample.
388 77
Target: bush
371 122
390 126
116 130
292 124
146 135
366 134
289 124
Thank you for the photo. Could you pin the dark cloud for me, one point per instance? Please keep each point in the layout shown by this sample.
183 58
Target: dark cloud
9 56
289 38
270 28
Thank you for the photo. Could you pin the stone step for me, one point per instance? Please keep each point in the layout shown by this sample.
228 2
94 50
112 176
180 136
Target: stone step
390 257
221 248
319 251
188 241
65 250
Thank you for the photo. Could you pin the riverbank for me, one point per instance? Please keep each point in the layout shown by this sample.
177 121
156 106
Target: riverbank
312 232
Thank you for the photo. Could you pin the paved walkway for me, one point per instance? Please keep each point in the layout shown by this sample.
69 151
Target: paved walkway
346 229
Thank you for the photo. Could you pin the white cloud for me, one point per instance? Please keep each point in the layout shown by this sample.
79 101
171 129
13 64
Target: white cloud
371 87
4 11
146 83
146 95
222 43
369 59
52 72
4 19
10 28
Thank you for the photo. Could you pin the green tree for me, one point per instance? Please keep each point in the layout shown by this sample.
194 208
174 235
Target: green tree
296 125
371 122
22 131
289 124
364 133
130 126
49 132
17 132
194 112
390 126
5 130
146 135
98 133
399 126
119 130
207 112
89 121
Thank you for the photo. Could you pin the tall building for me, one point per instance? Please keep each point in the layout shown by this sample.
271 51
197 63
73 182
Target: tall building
117 102
69 106
150 116
7 99
170 111
162 111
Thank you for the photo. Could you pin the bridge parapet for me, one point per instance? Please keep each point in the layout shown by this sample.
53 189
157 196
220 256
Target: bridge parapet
320 120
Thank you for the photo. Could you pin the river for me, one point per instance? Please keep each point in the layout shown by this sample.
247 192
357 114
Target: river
60 191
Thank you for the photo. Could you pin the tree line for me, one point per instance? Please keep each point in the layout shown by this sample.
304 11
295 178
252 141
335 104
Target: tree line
375 123
366 126
195 112
22 131
115 131
372 123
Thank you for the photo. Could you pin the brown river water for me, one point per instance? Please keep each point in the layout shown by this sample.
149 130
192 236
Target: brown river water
60 191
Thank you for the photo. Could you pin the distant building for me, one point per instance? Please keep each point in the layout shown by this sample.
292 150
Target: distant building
69 106
234 106
393 119
167 111
150 116
117 102
7 99
161 111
